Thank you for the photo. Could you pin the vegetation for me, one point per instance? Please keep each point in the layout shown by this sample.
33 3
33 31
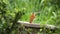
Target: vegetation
12 11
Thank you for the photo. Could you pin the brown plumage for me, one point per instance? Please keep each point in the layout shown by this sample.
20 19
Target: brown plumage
32 17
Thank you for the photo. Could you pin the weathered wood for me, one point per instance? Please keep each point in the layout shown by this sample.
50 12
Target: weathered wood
31 25
35 25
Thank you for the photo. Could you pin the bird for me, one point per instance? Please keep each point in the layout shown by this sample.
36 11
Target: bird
32 17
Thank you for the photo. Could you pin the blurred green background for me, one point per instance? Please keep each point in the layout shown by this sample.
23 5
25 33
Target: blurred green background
49 11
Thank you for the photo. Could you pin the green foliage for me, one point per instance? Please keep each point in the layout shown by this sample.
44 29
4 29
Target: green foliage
49 12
